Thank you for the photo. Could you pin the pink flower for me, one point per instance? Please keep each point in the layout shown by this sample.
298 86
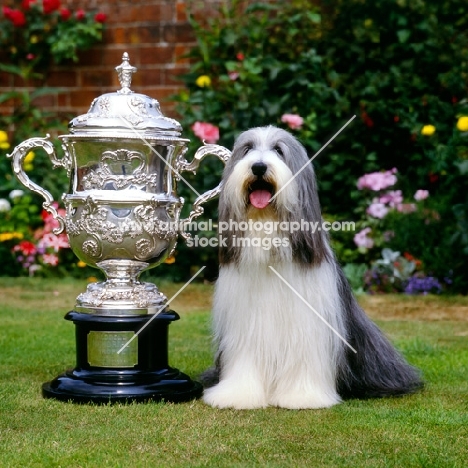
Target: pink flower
30 56
100 17
206 132
377 180
377 210
406 207
361 239
392 198
293 121
80 14
50 259
233 75
56 242
421 195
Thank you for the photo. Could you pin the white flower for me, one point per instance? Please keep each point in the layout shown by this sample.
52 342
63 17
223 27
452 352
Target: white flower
4 205
16 194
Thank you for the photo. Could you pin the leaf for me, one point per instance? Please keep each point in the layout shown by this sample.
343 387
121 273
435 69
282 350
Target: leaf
45 91
403 35
10 95
463 166
11 69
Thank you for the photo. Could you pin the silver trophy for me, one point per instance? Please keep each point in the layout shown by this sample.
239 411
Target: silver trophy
124 159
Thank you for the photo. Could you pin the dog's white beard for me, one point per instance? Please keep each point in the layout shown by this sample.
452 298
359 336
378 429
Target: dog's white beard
274 349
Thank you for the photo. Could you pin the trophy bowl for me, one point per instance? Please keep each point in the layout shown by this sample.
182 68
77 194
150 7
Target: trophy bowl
123 159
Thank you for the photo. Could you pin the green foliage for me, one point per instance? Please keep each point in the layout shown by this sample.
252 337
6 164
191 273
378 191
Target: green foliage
400 66
25 121
74 36
354 272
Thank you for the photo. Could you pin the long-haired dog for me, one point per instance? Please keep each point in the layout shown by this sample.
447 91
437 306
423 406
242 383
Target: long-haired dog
288 331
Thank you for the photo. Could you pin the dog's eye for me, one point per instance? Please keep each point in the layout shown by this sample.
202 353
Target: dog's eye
278 150
247 148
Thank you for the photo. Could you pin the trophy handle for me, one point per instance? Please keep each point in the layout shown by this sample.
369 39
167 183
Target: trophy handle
18 156
223 155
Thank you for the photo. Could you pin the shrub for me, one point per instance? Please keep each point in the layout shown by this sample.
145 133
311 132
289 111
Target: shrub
399 65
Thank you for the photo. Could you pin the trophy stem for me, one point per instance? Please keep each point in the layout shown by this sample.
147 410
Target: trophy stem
122 271
122 293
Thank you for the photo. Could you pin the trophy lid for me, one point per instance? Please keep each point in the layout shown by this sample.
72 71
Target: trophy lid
125 113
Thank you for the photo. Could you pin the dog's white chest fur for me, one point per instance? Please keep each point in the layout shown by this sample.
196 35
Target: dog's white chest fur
276 350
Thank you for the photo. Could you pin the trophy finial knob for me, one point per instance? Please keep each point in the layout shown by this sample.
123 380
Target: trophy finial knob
125 72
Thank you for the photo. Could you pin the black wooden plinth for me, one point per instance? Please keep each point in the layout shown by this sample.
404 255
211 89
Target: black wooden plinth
149 378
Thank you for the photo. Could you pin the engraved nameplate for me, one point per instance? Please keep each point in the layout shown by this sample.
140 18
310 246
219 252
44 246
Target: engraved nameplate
103 349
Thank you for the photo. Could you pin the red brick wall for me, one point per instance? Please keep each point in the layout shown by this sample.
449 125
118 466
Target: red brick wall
155 33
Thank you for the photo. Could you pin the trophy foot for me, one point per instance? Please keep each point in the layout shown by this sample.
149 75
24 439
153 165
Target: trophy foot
169 385
122 359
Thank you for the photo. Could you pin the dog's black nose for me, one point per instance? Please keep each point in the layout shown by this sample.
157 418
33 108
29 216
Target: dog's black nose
259 169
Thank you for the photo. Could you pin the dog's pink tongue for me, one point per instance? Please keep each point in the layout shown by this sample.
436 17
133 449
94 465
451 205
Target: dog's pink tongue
260 198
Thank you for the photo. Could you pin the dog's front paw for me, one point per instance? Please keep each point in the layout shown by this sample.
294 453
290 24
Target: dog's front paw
232 395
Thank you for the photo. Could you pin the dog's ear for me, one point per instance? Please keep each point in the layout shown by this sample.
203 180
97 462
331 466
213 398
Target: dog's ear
243 143
309 246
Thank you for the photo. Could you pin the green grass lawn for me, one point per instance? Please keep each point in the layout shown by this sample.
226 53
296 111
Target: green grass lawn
429 429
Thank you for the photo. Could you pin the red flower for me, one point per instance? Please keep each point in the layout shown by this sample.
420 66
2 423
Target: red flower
433 178
30 56
396 119
366 119
240 56
26 248
26 4
100 17
65 13
80 14
50 5
46 216
15 16
410 258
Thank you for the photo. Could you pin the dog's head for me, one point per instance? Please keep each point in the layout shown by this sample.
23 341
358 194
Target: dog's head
269 177
261 173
